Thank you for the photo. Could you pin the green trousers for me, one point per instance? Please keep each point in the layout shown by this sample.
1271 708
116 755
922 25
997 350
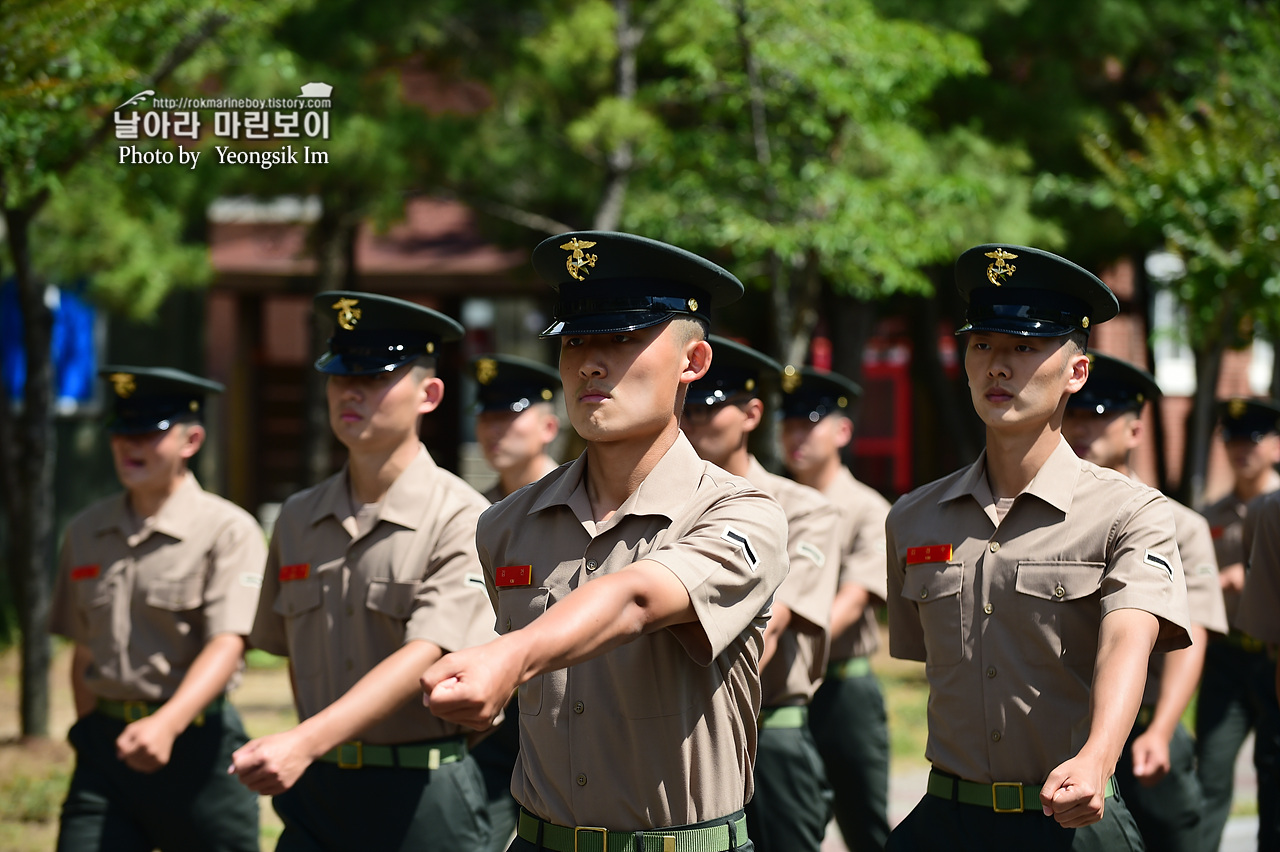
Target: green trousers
496 756
791 804
1238 693
847 719
1168 815
190 805
385 809
941 825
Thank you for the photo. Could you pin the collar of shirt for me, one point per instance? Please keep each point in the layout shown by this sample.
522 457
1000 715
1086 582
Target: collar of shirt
673 480
175 518
1054 483
403 503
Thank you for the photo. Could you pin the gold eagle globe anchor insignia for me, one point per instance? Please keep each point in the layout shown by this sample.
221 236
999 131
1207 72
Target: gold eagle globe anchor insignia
579 263
999 272
348 313
124 384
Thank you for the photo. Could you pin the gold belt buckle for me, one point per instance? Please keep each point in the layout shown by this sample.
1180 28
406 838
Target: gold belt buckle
995 799
359 761
591 829
134 710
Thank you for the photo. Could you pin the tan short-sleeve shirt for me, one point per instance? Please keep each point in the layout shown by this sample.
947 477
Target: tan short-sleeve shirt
337 603
1226 525
654 732
1259 613
1204 593
145 596
862 513
813 548
1006 614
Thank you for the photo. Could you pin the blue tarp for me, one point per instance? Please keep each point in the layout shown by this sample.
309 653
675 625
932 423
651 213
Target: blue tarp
75 360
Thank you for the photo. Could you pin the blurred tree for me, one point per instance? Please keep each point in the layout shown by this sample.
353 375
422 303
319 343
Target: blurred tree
66 65
1204 174
791 140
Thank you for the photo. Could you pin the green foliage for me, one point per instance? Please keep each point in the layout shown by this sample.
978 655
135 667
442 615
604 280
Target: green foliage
1205 176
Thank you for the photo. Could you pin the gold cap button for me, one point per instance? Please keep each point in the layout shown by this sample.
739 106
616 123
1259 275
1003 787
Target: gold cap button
994 546
988 609
1059 591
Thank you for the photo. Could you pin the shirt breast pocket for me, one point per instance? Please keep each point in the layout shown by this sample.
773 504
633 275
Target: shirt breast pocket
298 602
518 609
936 589
178 595
1062 600
94 600
392 599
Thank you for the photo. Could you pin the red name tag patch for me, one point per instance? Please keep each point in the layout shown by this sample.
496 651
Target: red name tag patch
513 576
301 571
85 572
930 553
1216 532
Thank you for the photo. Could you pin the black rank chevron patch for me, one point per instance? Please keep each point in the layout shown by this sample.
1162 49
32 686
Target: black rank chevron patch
1155 560
740 539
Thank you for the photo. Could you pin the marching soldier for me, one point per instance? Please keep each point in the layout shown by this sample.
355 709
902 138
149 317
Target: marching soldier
1261 599
632 586
1033 585
1157 772
371 576
157 588
515 425
789 810
1235 690
847 715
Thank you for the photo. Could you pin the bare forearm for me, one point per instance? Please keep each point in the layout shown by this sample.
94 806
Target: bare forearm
601 615
386 687
205 680
779 620
846 610
1125 642
84 699
1178 682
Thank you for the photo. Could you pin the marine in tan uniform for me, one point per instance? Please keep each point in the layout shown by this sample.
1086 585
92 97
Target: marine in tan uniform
1259 613
515 425
632 585
371 576
789 810
1157 770
157 588
847 716
1033 585
1235 690
517 420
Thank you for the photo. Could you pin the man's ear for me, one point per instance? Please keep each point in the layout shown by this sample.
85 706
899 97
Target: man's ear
1134 437
192 441
697 360
1078 365
432 388
754 409
844 431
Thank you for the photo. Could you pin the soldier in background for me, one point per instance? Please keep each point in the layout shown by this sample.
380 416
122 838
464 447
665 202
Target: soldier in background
516 423
517 420
372 575
847 715
1235 689
790 808
1157 770
157 587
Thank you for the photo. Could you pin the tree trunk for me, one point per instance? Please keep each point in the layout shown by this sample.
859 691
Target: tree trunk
1200 422
29 463
620 159
334 245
